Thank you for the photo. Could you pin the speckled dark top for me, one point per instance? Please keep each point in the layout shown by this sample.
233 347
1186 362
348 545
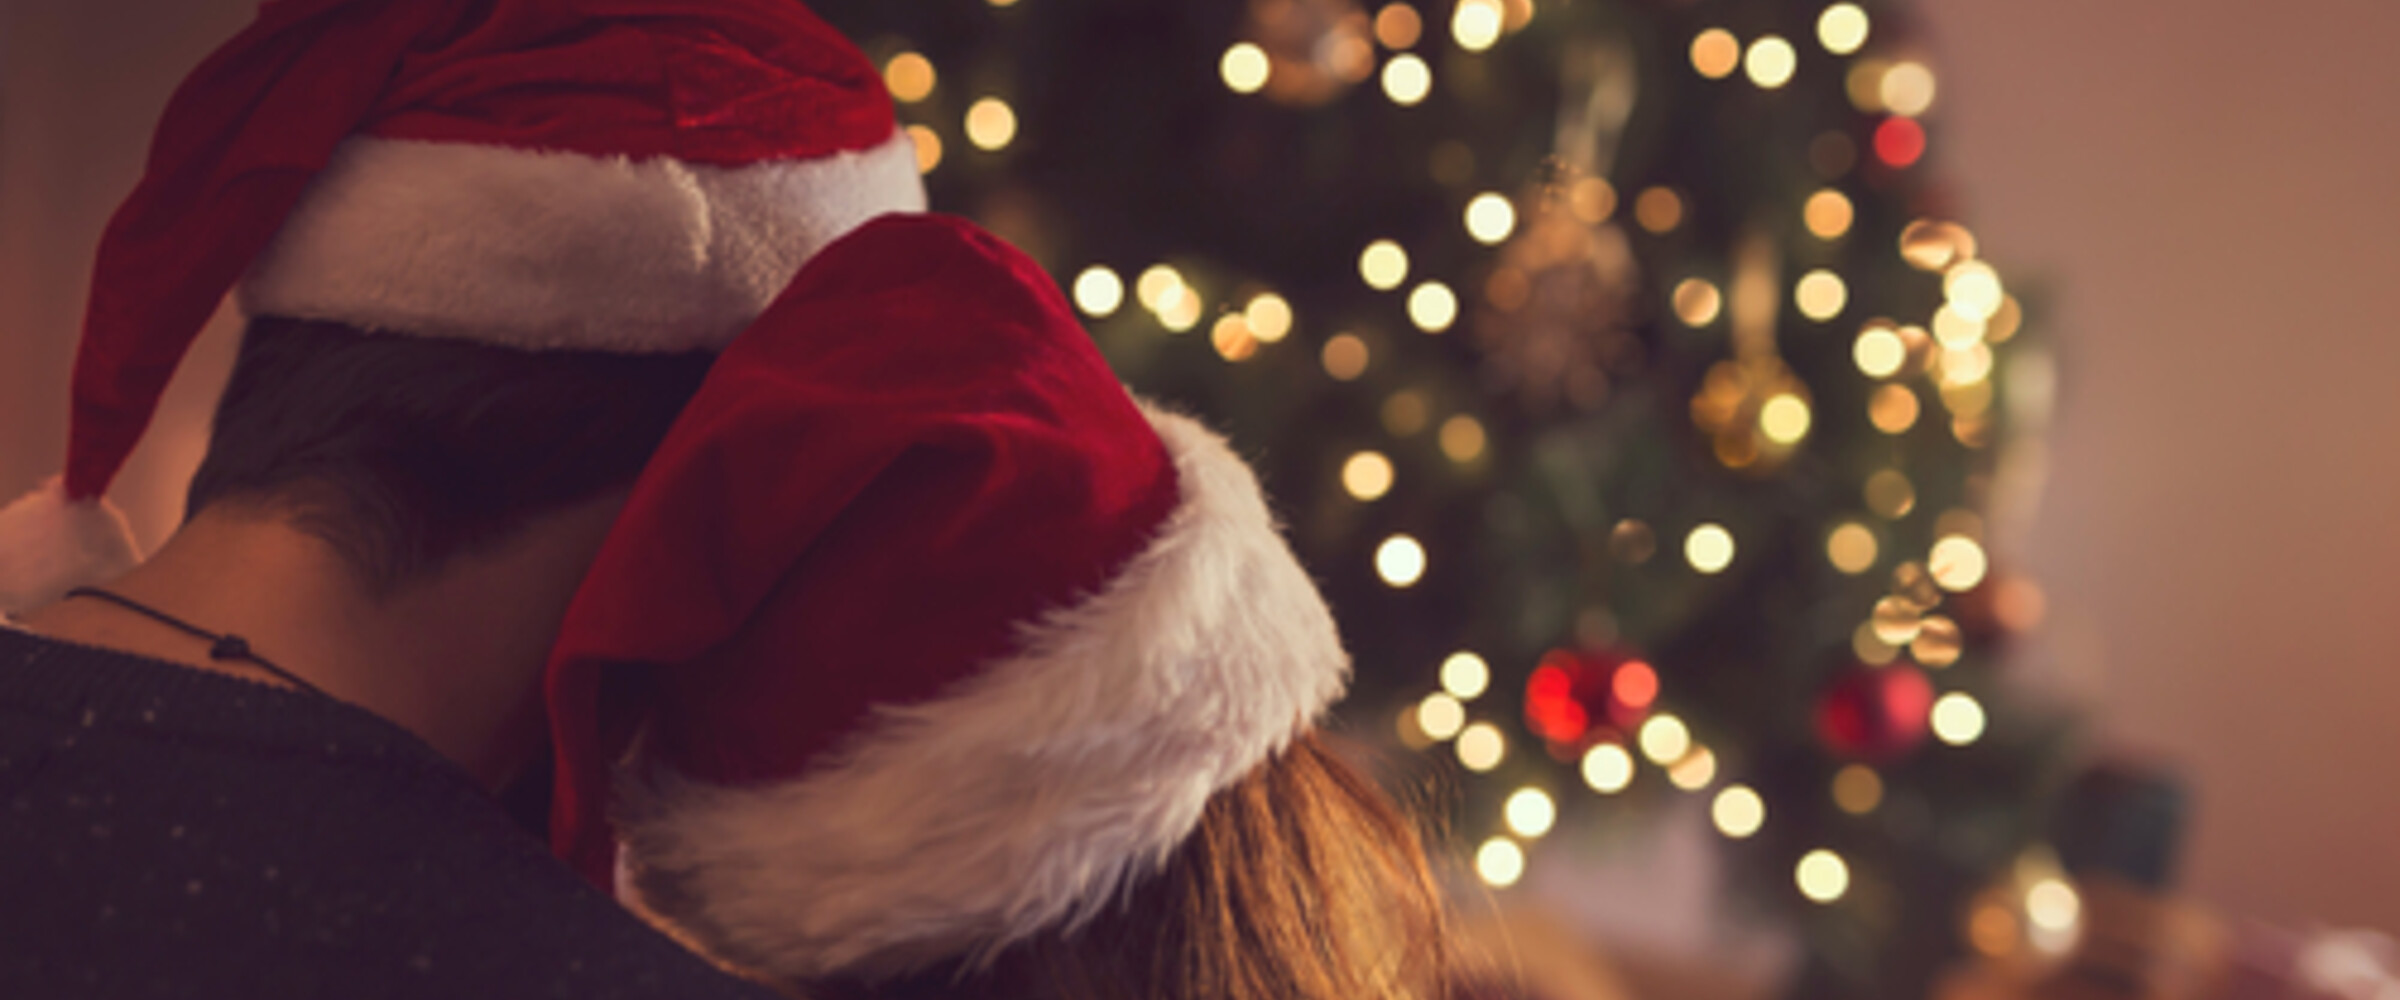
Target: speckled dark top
166 832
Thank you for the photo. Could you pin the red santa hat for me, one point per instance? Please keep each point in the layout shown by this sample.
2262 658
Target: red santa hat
919 635
924 635
625 175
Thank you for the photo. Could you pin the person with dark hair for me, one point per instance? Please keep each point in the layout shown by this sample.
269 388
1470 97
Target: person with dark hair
489 251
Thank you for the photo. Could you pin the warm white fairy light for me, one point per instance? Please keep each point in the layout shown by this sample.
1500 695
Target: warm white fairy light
1244 68
1490 218
1530 812
1973 289
1384 265
1475 24
1709 548
1738 811
1957 563
1400 560
909 76
1441 716
1822 876
1465 675
991 124
1607 768
1958 719
1269 316
1820 294
1842 29
1500 862
1784 419
1481 747
1432 306
1665 739
1407 79
1098 291
1770 62
1367 475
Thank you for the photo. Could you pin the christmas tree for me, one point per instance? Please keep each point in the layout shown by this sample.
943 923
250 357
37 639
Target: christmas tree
1620 370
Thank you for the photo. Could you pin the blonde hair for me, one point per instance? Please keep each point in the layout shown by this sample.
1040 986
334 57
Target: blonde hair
1303 881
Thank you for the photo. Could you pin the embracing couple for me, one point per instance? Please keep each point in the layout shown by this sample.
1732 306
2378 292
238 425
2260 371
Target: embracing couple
612 419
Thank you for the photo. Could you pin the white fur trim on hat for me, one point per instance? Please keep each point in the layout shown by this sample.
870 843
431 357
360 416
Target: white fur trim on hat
49 544
1031 795
553 250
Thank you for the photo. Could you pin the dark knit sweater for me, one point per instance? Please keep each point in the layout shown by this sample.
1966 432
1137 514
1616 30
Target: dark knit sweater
167 832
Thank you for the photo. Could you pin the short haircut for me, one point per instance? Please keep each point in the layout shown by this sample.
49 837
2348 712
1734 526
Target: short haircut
404 453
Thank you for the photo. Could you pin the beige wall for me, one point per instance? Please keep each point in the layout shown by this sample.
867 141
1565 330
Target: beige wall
2208 187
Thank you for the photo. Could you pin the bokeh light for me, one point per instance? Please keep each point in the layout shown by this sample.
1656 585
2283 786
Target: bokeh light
1697 302
991 124
1475 24
1716 53
1407 79
1462 438
1857 789
1244 68
1709 548
909 76
1957 563
1344 357
1738 811
1398 26
1098 291
1658 209
1821 295
1906 89
1851 548
1432 306
1665 739
1822 876
1481 747
1784 419
1441 716
1465 675
1770 61
1500 862
1490 218
1828 214
1269 316
1879 351
1529 812
928 147
1400 561
1384 265
1607 768
1367 475
1958 718
1842 28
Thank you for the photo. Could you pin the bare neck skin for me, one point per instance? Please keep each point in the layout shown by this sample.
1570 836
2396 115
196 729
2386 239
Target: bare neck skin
455 658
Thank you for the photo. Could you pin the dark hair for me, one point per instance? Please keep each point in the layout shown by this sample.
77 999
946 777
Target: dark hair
1304 881
405 452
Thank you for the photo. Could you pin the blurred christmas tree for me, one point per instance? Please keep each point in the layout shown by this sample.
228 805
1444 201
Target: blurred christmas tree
1618 370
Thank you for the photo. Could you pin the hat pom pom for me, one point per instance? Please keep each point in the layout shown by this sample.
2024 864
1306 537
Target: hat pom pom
50 544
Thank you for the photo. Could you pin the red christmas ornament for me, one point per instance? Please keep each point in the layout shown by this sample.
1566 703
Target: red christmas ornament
1875 713
1575 699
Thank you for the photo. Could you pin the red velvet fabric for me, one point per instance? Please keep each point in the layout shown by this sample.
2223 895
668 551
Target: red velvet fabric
723 82
912 454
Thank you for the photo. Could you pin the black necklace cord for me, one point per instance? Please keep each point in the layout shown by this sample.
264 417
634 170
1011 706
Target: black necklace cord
222 647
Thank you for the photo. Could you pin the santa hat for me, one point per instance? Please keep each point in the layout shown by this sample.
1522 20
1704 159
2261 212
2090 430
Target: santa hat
623 175
919 636
923 635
